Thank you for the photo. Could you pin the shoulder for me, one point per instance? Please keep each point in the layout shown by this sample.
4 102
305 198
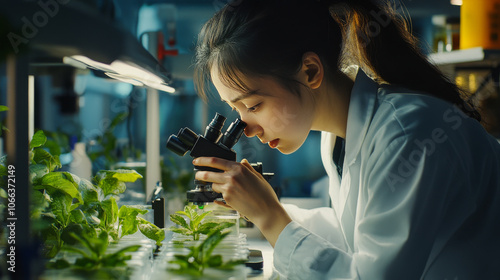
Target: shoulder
405 116
415 113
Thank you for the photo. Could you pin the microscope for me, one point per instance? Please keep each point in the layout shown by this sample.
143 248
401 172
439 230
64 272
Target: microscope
212 144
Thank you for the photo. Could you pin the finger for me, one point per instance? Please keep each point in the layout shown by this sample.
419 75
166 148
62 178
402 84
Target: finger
214 162
209 176
218 188
221 203
248 165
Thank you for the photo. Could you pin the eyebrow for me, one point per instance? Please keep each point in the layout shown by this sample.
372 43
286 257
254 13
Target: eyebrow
248 94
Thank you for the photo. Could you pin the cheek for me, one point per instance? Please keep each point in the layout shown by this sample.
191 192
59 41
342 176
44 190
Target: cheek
281 116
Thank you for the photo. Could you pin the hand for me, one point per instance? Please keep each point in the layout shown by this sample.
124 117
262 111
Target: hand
246 191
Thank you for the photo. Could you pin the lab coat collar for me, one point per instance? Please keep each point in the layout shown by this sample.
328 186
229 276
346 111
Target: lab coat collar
361 107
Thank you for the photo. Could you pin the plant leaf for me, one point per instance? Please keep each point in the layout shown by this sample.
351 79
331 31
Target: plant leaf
182 213
88 191
207 227
75 250
58 181
58 264
73 228
3 167
60 205
124 175
100 243
198 218
40 201
41 156
86 263
179 220
3 193
182 231
128 219
112 186
131 248
37 171
224 225
214 261
208 245
229 265
77 216
110 209
38 139
151 231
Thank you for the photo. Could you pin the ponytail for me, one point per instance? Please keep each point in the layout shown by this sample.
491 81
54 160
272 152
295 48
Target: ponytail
381 44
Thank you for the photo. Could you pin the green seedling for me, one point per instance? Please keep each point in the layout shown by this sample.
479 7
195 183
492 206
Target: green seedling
200 257
194 226
93 253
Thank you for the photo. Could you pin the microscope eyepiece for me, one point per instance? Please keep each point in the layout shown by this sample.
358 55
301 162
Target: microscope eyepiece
233 133
176 146
213 130
187 137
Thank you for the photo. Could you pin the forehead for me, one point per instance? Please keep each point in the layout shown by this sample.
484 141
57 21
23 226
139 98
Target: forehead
235 86
225 88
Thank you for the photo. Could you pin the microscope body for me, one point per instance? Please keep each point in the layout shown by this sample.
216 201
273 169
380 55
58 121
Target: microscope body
212 144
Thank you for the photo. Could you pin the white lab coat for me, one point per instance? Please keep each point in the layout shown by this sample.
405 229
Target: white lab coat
419 196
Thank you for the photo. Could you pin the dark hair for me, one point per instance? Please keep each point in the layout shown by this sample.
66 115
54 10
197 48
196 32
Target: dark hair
269 37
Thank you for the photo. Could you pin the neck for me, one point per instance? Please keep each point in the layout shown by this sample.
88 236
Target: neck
333 104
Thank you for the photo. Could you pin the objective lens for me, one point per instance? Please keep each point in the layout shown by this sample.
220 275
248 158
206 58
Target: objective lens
233 133
213 130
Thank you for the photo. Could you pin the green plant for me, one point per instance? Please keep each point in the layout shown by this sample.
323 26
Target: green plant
200 257
105 147
130 223
57 142
194 226
2 126
65 205
93 251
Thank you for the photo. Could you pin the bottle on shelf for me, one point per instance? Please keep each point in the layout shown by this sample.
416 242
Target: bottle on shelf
480 24
80 165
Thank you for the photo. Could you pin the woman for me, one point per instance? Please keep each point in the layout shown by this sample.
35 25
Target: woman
414 178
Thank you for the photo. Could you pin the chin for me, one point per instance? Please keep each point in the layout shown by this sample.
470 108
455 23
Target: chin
287 150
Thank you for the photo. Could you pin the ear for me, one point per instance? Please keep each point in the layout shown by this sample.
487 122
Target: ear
312 70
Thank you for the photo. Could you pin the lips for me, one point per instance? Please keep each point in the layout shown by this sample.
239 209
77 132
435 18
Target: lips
274 143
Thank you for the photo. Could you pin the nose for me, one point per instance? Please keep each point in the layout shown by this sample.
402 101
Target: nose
252 129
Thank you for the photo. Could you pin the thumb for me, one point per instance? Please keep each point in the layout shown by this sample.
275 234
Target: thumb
247 164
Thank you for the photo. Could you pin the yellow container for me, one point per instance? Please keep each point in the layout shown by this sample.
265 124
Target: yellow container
480 24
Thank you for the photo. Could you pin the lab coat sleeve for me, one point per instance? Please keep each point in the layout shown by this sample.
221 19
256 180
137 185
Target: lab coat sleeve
392 237
322 221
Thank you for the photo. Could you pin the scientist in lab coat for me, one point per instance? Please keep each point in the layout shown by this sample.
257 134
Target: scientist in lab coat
414 177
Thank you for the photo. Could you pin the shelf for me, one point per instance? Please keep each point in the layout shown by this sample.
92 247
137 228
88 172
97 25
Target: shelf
474 57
